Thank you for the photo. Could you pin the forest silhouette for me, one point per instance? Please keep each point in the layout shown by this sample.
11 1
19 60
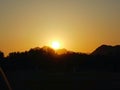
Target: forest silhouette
44 62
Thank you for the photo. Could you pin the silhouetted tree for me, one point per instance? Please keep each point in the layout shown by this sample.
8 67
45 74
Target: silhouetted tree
1 56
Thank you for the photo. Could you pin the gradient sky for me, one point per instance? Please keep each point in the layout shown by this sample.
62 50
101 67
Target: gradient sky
80 25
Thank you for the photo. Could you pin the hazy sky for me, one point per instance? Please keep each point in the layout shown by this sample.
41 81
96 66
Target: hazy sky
80 25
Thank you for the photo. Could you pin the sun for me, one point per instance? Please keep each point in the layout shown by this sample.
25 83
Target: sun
55 45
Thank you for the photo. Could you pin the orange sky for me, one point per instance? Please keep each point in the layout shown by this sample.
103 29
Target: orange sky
80 25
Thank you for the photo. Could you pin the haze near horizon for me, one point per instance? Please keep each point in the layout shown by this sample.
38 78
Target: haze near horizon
79 25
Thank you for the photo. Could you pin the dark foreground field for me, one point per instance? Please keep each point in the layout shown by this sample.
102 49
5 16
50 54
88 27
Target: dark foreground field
35 80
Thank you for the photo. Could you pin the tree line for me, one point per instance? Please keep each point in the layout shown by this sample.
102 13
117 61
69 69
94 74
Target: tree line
47 60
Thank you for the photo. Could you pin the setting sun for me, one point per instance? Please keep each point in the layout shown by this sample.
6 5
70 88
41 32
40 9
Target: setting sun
55 45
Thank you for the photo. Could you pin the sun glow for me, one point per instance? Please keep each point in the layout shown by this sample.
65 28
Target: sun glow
55 45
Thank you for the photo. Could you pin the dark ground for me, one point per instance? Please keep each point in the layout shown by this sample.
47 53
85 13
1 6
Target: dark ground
89 80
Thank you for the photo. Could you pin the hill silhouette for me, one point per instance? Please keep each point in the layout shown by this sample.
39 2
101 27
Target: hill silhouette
107 50
39 67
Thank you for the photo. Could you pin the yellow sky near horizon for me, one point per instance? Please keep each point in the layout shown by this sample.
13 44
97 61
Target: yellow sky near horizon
79 25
